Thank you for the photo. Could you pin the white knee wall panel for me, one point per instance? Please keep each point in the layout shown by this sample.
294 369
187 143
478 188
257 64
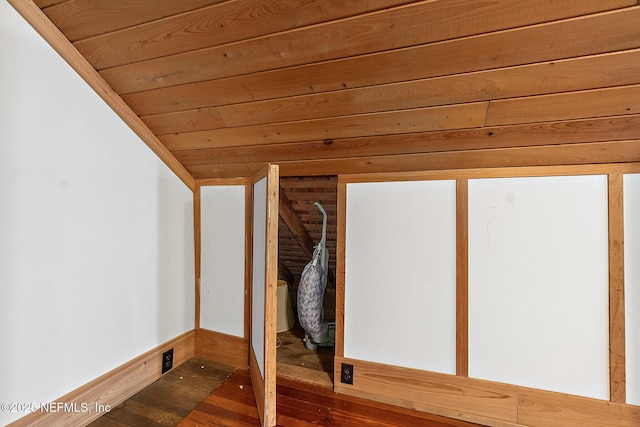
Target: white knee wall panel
222 255
400 274
632 284
538 283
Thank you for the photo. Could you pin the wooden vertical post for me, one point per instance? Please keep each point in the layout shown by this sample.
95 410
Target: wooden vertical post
197 245
462 279
340 261
617 363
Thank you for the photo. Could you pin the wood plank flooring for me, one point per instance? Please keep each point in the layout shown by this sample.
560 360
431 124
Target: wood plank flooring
296 362
203 393
300 404
169 400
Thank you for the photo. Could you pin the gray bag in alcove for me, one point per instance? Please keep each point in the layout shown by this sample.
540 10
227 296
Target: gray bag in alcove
311 300
313 282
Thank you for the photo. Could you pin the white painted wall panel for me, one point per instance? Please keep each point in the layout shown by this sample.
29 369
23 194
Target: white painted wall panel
96 234
259 273
222 210
632 284
538 283
400 274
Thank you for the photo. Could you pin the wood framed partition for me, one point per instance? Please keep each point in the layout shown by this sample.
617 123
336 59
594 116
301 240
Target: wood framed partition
212 341
479 400
264 261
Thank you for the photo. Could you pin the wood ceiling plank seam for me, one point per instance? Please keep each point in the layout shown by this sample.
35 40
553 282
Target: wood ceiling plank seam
552 155
208 64
615 101
42 4
567 132
616 105
406 18
216 25
171 100
85 19
461 116
596 71
198 119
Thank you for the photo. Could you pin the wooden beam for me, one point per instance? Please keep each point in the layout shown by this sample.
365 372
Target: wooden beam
462 279
617 362
340 269
290 218
39 21
197 243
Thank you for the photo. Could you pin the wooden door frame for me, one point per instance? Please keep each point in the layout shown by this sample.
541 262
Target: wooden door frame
265 387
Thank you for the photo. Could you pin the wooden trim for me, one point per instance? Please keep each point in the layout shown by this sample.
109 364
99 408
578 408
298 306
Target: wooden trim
617 363
462 279
248 243
267 379
248 253
341 242
197 241
270 312
467 399
115 386
538 408
48 31
506 172
223 181
480 401
555 155
222 348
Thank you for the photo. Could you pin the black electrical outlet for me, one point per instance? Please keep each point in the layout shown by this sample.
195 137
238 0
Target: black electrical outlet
167 360
346 374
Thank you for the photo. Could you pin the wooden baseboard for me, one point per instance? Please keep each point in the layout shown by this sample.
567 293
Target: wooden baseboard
479 401
222 348
90 401
450 396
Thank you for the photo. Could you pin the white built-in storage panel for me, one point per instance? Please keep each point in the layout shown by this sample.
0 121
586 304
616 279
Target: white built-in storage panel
400 274
632 284
538 283
222 213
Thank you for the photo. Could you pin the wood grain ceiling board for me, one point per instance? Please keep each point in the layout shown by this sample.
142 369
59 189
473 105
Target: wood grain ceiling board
328 86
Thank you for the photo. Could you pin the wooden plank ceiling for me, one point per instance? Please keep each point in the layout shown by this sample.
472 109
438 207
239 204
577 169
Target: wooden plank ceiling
335 86
324 87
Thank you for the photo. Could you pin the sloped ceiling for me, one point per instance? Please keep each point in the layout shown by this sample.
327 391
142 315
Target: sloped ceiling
336 86
324 87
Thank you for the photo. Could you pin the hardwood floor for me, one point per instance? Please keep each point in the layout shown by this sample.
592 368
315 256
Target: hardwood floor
169 400
203 393
296 362
300 404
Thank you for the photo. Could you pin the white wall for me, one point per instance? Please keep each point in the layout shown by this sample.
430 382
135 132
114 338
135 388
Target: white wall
96 234
538 279
538 283
222 210
632 284
400 274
